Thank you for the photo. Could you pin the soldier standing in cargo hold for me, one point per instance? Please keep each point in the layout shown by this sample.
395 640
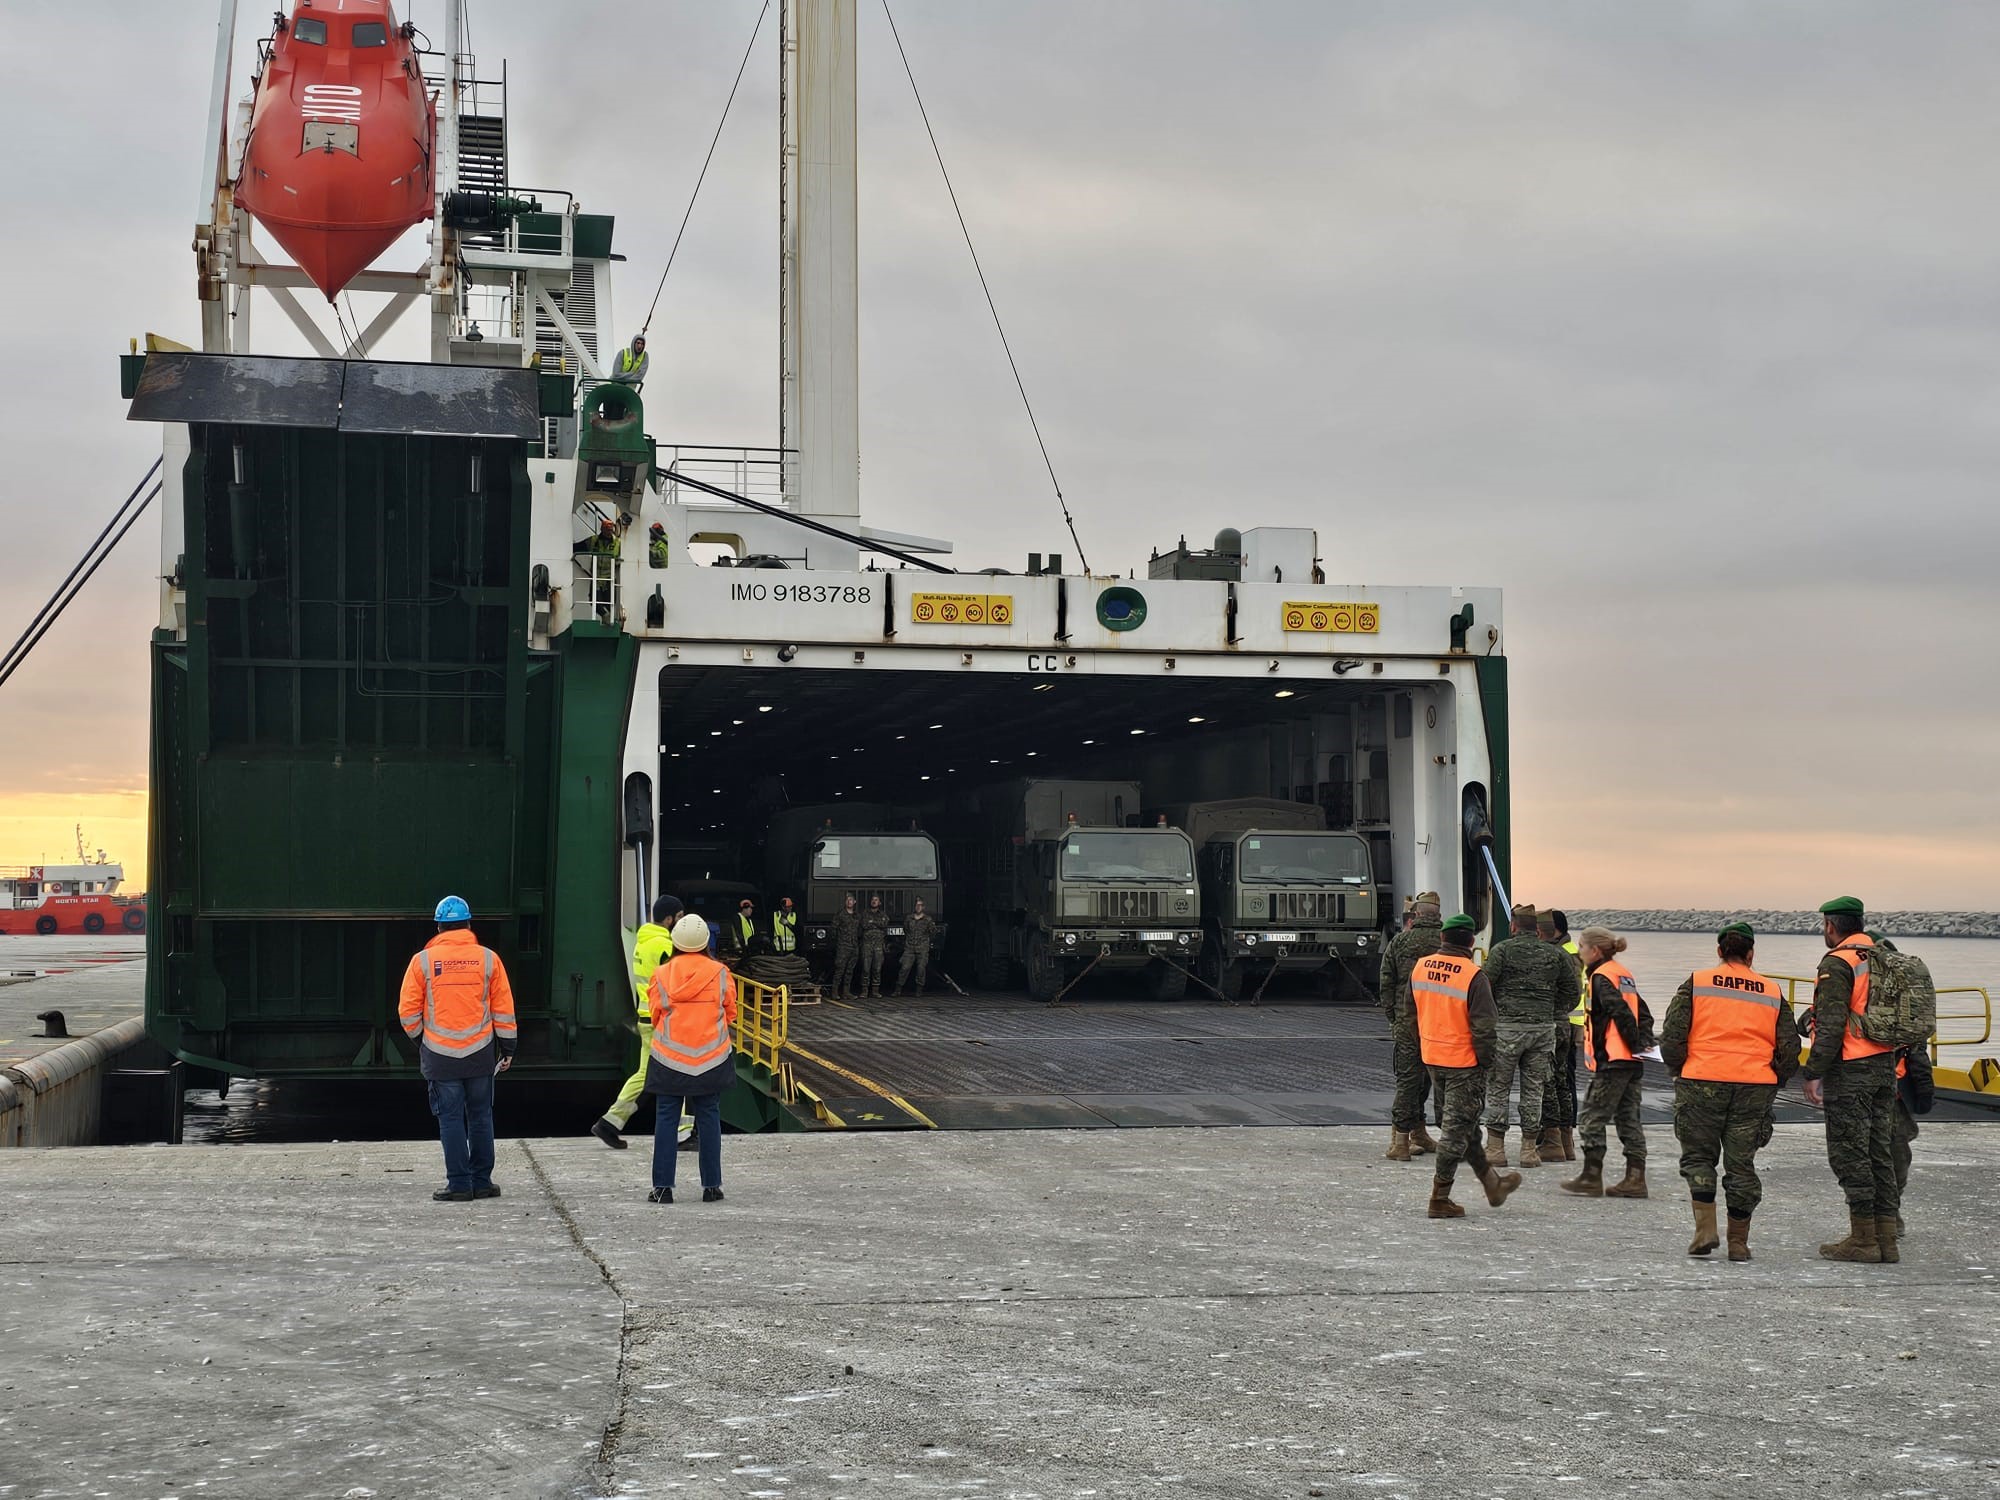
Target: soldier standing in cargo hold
846 947
1455 1027
874 940
1529 979
917 935
1422 938
1730 1042
1854 1080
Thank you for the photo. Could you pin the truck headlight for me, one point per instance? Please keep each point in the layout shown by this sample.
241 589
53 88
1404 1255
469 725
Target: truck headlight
1182 939
1249 939
819 934
1362 941
1069 940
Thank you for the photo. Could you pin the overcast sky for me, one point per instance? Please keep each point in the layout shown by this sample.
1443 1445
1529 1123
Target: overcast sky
1679 322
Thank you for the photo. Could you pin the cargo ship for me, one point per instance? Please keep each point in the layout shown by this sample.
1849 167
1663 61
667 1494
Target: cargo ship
471 625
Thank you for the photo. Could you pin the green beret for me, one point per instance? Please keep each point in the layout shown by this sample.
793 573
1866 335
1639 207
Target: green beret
1843 906
1737 929
1460 923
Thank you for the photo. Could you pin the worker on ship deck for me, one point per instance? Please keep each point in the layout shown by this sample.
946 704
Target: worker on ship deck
629 365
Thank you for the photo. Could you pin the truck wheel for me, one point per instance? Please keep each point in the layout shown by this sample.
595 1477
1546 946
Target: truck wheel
1169 981
45 925
135 919
93 922
1045 972
1225 974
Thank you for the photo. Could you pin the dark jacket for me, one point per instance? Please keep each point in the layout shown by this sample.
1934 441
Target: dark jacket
1917 1088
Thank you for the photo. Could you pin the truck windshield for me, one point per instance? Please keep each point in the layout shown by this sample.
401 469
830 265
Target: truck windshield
1126 856
875 856
1304 858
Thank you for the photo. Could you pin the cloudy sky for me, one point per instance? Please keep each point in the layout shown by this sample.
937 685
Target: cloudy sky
1678 321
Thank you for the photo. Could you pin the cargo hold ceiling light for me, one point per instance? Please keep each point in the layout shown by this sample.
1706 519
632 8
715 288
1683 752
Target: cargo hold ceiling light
1196 719
1284 693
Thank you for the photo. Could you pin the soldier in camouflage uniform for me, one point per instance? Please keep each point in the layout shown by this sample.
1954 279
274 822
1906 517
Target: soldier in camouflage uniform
1453 1030
846 947
918 934
874 943
1722 1103
1420 939
1855 1080
1528 978
1558 1142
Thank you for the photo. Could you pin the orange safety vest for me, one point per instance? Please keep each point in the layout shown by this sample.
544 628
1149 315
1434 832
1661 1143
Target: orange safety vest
1853 952
1615 1049
694 1001
1441 988
1735 1027
456 996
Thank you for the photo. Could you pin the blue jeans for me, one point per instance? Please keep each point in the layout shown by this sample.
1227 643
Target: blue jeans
464 1110
707 1112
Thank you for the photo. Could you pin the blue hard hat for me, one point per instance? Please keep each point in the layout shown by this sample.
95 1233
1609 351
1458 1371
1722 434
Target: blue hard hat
453 909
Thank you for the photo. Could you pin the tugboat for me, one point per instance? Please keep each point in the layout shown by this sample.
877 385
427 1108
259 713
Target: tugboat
48 900
342 137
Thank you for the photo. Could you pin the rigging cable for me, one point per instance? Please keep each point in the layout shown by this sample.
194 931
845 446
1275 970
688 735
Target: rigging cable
87 565
702 176
1068 519
355 343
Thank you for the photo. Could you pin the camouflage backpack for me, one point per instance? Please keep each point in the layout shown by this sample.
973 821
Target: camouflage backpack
1902 1000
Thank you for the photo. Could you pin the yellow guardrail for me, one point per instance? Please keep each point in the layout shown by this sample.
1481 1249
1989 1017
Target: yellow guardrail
1955 1027
763 1030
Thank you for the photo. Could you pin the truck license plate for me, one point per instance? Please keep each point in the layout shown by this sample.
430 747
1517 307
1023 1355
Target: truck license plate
1281 937
1156 937
895 932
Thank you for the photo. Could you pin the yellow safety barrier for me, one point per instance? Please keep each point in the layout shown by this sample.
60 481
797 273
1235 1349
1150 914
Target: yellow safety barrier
763 1025
1954 1023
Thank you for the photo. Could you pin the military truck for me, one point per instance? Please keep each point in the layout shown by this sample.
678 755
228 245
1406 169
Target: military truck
1279 894
818 855
1060 877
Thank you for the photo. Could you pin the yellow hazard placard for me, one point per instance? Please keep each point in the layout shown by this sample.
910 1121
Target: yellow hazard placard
1332 619
961 609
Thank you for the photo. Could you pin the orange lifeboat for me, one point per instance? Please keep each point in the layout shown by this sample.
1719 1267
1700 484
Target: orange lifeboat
339 158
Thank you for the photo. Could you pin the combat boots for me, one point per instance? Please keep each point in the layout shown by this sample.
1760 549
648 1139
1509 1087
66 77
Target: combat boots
1399 1145
1860 1245
1421 1142
1632 1184
1739 1238
1550 1146
1885 1241
1569 1143
1590 1182
1441 1205
1496 1147
1705 1238
1530 1156
1499 1185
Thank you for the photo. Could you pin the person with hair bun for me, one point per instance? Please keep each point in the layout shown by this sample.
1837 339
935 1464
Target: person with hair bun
1617 1029
1731 1042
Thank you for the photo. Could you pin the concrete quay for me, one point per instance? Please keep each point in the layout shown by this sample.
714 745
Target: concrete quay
51 1088
1027 1314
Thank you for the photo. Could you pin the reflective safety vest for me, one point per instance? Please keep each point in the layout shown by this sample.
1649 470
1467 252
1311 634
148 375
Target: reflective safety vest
785 931
1853 952
694 1000
1615 1049
1441 989
748 924
627 361
456 997
653 947
1582 1012
656 553
1735 1027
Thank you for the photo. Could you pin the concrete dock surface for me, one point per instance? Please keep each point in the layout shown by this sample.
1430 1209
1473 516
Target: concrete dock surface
94 982
1248 1312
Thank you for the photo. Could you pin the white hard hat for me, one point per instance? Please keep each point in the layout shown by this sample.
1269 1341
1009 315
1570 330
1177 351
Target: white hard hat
690 934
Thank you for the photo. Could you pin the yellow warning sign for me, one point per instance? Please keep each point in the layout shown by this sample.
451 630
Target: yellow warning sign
1332 619
961 609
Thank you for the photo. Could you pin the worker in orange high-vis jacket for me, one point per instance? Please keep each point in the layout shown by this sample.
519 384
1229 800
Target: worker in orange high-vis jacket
693 1057
1456 1026
1618 1026
1729 1040
1854 1080
459 1009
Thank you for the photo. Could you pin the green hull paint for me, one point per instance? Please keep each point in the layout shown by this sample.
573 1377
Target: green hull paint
1492 675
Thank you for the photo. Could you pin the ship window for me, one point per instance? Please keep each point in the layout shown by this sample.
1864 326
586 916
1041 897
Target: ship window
304 30
370 34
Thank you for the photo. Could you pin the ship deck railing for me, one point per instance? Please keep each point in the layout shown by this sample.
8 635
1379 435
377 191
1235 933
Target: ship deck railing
1962 1051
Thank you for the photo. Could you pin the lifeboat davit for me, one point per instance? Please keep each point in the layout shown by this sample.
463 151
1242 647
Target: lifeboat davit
338 162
